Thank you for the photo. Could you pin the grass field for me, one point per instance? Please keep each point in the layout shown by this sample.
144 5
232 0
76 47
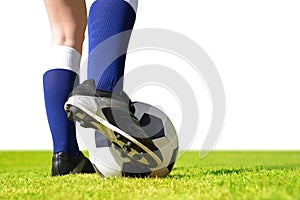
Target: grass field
221 175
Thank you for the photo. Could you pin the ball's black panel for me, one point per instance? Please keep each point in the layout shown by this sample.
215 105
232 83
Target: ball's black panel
173 159
101 140
130 169
153 126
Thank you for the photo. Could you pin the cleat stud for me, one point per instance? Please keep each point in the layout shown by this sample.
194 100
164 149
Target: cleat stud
119 137
126 149
129 144
82 123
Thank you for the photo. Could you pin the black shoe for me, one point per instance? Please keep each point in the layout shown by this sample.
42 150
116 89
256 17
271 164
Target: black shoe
63 164
113 115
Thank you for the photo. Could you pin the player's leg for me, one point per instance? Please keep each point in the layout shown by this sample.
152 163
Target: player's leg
68 20
112 113
108 18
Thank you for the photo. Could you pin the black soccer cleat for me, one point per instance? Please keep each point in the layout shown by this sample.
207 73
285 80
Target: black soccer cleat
63 164
113 115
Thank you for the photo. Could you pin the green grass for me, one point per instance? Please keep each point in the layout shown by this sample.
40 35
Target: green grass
221 175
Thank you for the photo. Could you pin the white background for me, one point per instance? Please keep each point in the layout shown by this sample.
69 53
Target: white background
255 46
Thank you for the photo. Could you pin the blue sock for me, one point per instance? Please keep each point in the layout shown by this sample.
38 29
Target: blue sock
106 19
58 83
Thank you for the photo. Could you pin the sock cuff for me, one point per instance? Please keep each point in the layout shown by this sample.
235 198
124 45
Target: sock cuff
133 4
63 57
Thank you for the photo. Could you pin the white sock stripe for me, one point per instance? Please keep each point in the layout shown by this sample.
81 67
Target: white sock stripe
63 57
133 3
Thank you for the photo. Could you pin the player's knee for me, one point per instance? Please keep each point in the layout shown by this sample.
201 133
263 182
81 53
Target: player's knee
71 40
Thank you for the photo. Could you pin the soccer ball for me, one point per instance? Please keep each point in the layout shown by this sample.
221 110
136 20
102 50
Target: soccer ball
109 160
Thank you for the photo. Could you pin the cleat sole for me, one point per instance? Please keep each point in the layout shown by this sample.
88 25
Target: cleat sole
128 146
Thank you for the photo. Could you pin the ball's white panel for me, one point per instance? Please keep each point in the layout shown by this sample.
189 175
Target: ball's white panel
169 130
166 149
174 142
100 157
142 108
139 110
106 163
86 136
